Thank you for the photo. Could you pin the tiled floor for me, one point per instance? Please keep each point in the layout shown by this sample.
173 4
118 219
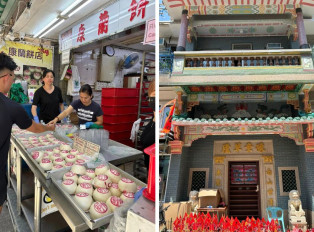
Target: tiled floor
5 220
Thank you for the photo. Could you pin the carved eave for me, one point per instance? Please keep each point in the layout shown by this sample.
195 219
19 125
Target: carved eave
292 128
185 80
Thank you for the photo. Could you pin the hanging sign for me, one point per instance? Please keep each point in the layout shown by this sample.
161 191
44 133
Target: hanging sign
28 55
65 57
150 32
117 17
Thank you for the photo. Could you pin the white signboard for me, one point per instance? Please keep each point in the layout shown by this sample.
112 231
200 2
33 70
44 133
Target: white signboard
119 16
65 57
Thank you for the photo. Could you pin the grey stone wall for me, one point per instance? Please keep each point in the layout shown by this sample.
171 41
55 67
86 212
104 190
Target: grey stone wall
222 43
307 170
200 155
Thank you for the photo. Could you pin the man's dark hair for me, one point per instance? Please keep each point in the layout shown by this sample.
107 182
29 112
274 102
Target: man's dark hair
7 62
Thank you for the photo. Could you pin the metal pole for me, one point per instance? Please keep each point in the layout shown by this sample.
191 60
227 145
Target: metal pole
9 166
18 181
37 209
141 89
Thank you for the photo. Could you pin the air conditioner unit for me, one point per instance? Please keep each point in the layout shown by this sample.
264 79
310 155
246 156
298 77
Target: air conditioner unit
273 46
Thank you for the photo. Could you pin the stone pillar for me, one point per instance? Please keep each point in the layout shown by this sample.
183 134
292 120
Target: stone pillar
301 30
183 31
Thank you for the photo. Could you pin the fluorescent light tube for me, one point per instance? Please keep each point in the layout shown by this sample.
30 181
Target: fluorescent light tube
74 4
46 27
52 28
79 8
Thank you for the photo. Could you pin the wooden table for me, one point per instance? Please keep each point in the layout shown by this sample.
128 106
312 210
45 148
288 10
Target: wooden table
217 211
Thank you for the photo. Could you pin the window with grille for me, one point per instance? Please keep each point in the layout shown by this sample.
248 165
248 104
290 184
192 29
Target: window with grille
289 180
198 179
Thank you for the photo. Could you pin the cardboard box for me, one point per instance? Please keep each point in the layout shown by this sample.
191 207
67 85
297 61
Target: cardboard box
209 197
176 209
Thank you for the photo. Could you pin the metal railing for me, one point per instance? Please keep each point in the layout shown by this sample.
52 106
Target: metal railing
165 63
242 58
242 61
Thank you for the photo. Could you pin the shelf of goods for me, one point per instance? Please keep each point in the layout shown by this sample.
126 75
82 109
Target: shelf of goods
28 183
120 106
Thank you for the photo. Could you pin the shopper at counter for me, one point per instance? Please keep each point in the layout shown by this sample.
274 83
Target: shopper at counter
11 113
88 111
148 135
48 98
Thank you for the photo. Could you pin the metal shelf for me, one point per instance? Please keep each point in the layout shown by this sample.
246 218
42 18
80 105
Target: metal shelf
19 222
70 217
27 184
50 223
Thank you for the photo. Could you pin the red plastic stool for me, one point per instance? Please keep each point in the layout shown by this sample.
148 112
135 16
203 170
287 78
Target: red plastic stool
149 192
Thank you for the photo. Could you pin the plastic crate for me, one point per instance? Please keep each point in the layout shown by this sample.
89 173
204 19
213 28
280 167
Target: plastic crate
147 116
121 135
116 127
116 118
144 103
119 101
146 110
119 92
120 109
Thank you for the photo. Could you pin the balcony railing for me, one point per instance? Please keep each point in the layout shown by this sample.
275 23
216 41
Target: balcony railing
293 58
242 61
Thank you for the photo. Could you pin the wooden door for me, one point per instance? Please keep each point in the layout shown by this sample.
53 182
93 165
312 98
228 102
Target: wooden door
244 194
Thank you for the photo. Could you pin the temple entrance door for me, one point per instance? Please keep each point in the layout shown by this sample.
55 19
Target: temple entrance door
244 189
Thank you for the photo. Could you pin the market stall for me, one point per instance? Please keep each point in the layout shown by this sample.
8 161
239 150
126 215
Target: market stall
29 185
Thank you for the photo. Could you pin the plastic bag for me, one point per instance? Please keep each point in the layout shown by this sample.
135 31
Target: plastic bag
17 93
96 160
118 221
61 134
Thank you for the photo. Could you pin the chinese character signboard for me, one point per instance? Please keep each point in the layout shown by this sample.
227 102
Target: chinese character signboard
81 34
103 23
119 16
29 55
95 27
138 12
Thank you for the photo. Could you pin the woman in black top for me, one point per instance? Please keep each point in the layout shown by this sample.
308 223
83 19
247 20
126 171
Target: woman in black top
88 111
48 98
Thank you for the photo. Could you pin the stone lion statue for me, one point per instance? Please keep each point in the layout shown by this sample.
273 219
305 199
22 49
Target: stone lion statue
194 200
295 211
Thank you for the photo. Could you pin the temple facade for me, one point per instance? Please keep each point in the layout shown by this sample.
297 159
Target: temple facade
243 76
